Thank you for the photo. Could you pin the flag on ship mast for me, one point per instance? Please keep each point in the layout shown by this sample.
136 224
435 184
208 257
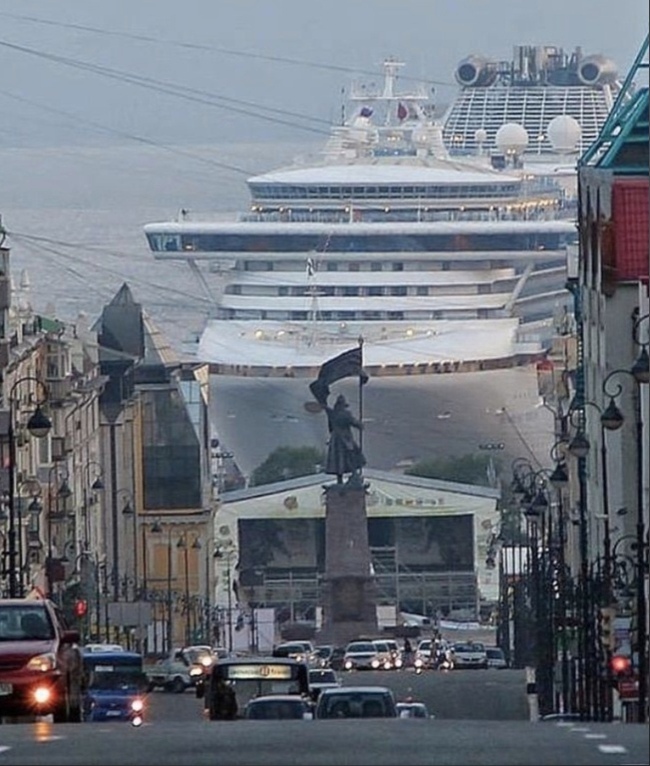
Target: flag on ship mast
345 365
402 111
311 267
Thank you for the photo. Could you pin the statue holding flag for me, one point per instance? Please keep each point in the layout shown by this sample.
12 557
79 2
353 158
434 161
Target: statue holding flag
344 454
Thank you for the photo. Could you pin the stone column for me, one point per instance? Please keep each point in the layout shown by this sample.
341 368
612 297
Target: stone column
349 600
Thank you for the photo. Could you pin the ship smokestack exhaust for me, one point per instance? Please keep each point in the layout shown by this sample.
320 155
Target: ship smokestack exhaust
597 70
476 72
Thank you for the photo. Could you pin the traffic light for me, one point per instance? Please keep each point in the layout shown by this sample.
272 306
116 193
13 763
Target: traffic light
606 618
80 607
621 666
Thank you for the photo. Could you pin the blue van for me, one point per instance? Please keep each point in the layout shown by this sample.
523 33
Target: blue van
115 686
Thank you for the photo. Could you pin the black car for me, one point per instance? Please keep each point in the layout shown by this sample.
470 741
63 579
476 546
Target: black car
356 702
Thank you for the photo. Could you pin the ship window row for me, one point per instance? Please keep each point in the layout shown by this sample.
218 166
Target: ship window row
362 291
362 243
346 192
357 316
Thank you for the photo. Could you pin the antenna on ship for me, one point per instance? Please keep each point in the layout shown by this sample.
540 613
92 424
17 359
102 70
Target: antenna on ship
312 291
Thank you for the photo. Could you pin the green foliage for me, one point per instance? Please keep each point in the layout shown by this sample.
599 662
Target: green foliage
288 463
466 469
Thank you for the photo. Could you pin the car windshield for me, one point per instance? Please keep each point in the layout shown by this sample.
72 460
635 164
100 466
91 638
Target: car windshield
467 648
118 680
495 654
322 677
25 623
361 646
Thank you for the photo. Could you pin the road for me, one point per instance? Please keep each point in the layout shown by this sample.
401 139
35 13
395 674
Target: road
480 720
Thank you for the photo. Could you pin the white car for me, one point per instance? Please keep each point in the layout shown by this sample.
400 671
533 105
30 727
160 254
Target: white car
496 657
361 655
470 654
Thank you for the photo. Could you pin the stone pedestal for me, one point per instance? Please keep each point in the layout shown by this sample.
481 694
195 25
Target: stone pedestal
349 600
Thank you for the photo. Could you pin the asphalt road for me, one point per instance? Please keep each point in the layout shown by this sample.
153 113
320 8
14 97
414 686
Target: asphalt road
384 742
480 719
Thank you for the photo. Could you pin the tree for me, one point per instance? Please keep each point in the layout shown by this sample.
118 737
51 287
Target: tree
288 463
466 469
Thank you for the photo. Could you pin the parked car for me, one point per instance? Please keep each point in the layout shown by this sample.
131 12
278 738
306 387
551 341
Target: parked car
496 657
41 668
278 707
356 702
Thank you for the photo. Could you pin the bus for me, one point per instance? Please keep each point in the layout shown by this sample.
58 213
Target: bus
115 686
231 683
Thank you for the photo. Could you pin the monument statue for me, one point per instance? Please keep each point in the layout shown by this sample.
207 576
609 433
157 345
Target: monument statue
343 453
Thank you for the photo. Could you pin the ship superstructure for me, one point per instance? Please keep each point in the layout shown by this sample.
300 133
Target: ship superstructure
539 84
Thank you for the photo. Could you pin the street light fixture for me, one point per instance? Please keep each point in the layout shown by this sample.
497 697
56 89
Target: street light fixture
156 528
640 375
39 426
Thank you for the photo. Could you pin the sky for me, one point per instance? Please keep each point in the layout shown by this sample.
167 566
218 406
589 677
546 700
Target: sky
197 71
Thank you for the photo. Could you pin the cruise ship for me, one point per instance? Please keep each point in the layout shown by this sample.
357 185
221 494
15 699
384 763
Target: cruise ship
439 263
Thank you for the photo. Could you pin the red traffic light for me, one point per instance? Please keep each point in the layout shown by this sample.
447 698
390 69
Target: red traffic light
80 607
620 664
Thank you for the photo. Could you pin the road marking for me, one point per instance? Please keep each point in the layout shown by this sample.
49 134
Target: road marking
580 728
595 736
4 748
612 749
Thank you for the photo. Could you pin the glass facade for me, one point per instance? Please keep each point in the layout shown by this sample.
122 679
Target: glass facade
171 452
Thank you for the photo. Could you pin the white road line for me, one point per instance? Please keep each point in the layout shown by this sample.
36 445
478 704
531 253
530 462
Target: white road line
580 728
4 748
595 736
612 749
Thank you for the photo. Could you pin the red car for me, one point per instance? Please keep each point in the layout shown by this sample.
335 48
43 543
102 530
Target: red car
41 666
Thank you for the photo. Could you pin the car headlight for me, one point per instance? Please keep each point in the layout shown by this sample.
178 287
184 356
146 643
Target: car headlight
137 705
196 671
42 662
206 662
375 663
398 663
418 663
348 664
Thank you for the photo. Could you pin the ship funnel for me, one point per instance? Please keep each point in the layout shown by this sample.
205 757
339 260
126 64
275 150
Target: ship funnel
597 70
476 72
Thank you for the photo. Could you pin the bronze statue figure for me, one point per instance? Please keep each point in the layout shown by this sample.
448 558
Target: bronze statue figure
343 453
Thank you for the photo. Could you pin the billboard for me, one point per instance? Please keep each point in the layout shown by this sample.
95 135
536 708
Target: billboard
421 542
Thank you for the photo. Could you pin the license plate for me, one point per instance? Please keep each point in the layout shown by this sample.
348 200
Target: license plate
113 713
6 689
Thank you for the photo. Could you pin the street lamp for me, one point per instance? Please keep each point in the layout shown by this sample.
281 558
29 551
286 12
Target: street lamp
129 510
227 552
39 426
182 545
156 528
57 491
640 375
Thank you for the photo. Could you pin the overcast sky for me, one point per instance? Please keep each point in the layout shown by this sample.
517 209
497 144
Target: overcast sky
64 83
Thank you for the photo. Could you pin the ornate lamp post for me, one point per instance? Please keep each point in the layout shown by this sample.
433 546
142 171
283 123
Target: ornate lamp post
640 374
156 528
227 552
38 426
58 491
129 511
